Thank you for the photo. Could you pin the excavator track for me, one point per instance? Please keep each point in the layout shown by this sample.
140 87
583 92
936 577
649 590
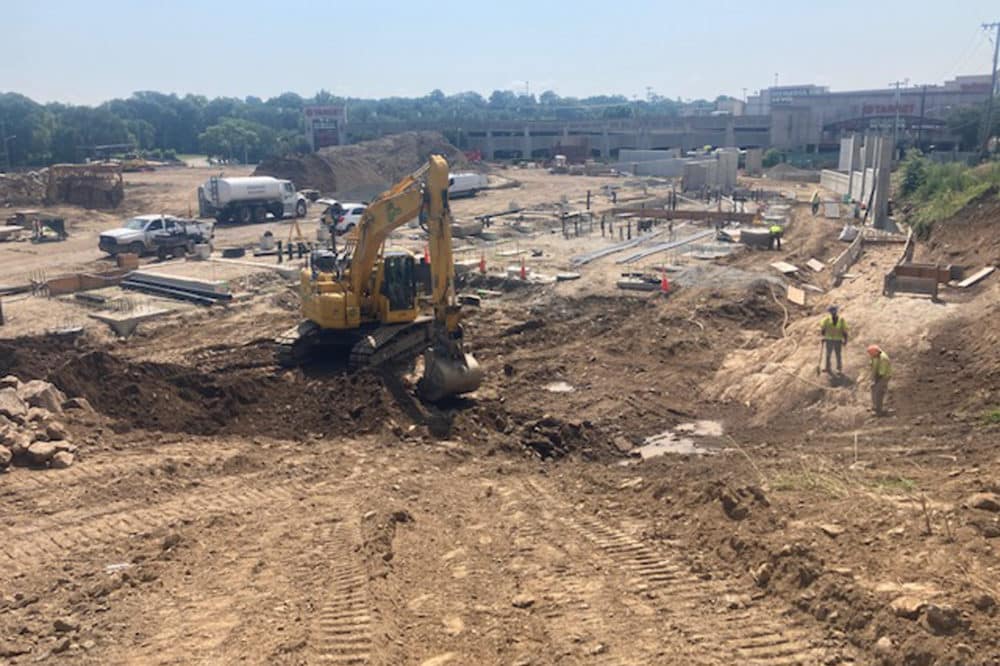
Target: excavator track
293 347
390 343
371 347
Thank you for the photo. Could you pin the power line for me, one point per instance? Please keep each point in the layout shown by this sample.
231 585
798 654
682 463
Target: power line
974 44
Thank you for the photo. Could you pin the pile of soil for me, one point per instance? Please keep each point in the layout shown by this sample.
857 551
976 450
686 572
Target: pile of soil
365 169
970 238
306 171
177 398
23 189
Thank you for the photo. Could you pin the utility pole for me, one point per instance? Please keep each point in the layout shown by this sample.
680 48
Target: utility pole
895 124
6 149
988 125
920 128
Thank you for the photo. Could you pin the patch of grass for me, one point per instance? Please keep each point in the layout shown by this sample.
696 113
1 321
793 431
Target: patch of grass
809 481
937 191
992 417
894 485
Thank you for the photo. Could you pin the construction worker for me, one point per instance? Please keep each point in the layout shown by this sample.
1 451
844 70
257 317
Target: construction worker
776 230
815 202
881 371
833 328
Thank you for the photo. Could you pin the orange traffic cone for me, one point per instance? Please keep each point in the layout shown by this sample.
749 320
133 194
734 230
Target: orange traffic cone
482 263
524 271
664 284
427 255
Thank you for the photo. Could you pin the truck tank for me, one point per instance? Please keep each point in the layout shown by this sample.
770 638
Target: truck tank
245 189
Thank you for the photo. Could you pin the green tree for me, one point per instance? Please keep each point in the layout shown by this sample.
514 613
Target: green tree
967 123
240 139
28 129
914 173
772 158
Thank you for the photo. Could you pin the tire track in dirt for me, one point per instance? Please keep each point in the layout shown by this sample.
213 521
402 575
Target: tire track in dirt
342 631
276 590
46 539
749 635
119 464
579 601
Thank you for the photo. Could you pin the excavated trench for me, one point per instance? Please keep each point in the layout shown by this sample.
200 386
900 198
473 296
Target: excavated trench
202 400
238 390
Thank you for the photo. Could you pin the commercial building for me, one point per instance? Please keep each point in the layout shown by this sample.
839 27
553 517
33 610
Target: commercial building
812 117
803 117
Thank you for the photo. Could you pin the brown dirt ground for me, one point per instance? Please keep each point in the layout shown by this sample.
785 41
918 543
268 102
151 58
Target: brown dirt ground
224 511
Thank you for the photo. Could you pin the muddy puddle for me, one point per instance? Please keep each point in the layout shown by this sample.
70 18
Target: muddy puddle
698 438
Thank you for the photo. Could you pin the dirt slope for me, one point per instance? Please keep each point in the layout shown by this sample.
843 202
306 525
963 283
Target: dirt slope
364 169
971 238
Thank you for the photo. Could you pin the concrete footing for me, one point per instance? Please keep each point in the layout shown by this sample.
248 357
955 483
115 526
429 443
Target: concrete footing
124 324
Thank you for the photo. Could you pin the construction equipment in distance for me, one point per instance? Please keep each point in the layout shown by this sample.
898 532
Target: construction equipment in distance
363 300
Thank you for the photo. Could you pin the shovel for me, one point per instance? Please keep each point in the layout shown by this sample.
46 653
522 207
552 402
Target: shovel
819 362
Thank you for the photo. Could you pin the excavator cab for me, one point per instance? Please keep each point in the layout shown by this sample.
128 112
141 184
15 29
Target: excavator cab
398 276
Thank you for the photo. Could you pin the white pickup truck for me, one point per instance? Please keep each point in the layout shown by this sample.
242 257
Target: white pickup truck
137 234
466 184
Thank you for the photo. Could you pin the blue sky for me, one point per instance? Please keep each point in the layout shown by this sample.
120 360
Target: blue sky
89 51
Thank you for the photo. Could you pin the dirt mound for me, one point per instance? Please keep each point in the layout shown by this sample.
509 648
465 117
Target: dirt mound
306 171
23 189
176 398
362 170
971 238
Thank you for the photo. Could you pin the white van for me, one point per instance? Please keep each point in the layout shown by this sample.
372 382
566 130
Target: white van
466 184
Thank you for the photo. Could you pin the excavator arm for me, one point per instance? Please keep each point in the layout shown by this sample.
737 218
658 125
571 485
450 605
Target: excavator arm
448 369
390 211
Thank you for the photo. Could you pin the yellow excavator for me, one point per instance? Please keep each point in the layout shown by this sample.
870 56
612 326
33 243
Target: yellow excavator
363 300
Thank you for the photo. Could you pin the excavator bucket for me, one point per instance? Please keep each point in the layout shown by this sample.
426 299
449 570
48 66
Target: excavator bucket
446 376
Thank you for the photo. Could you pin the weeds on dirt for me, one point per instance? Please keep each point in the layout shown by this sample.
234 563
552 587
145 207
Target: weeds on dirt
823 484
825 479
935 192
817 478
894 485
992 417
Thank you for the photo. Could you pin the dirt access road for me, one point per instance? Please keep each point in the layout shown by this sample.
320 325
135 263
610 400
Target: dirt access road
174 191
224 511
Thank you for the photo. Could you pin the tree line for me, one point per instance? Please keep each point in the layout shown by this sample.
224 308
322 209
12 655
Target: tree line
162 125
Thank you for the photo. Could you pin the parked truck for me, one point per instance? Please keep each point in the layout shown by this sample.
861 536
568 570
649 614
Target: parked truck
139 234
249 199
466 184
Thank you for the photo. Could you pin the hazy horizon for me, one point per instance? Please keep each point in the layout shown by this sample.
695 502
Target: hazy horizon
107 50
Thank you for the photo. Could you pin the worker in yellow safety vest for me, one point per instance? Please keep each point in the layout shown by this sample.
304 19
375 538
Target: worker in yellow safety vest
881 371
833 328
815 202
774 238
